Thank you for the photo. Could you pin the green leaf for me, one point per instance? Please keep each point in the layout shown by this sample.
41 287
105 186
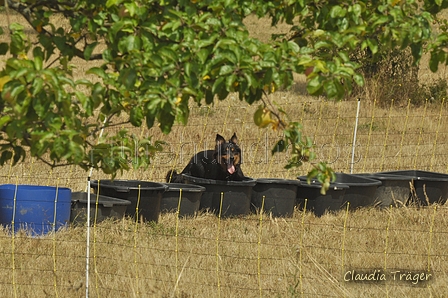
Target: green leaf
381 20
225 42
345 57
279 147
222 94
357 9
359 79
183 113
38 57
209 97
21 72
202 43
202 55
129 43
38 84
110 3
150 118
323 44
17 90
218 85
168 53
337 12
225 70
435 60
6 156
230 80
373 45
128 78
4 47
97 71
331 89
293 46
334 88
59 41
19 152
315 86
189 91
89 49
251 82
136 116
166 120
4 120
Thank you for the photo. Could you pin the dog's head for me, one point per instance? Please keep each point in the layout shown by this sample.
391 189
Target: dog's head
228 154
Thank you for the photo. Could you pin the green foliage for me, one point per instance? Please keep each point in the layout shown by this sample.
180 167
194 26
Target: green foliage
159 55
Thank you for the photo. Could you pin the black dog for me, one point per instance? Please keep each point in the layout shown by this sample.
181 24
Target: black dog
223 163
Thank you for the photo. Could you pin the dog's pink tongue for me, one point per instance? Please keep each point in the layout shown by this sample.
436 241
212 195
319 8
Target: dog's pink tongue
231 169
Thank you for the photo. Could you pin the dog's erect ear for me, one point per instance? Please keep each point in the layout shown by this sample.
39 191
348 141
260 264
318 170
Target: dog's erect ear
234 139
219 140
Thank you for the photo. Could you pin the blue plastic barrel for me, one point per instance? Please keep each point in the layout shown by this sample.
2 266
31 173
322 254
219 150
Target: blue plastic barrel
36 209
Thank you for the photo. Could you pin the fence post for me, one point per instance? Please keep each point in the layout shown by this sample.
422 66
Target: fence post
420 134
437 135
369 136
354 137
137 217
386 245
301 248
88 237
177 235
54 239
403 134
343 239
217 245
13 237
431 227
259 246
387 134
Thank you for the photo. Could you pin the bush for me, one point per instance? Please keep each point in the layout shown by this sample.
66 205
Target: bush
394 76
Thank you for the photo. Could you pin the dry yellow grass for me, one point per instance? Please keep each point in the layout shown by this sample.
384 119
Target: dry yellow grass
302 256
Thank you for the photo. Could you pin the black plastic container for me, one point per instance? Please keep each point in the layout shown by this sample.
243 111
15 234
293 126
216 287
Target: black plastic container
236 195
190 198
361 191
108 207
150 194
319 204
430 187
394 190
279 196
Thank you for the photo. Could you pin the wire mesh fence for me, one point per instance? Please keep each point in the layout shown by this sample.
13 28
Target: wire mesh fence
392 252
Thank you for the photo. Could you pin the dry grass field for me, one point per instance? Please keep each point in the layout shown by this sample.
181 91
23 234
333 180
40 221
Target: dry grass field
255 255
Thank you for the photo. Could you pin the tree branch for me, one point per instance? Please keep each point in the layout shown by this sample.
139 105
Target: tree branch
27 13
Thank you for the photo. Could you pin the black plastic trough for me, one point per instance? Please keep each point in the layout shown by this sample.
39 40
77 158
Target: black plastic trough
101 208
430 187
235 195
189 195
309 196
279 196
394 190
145 196
360 191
